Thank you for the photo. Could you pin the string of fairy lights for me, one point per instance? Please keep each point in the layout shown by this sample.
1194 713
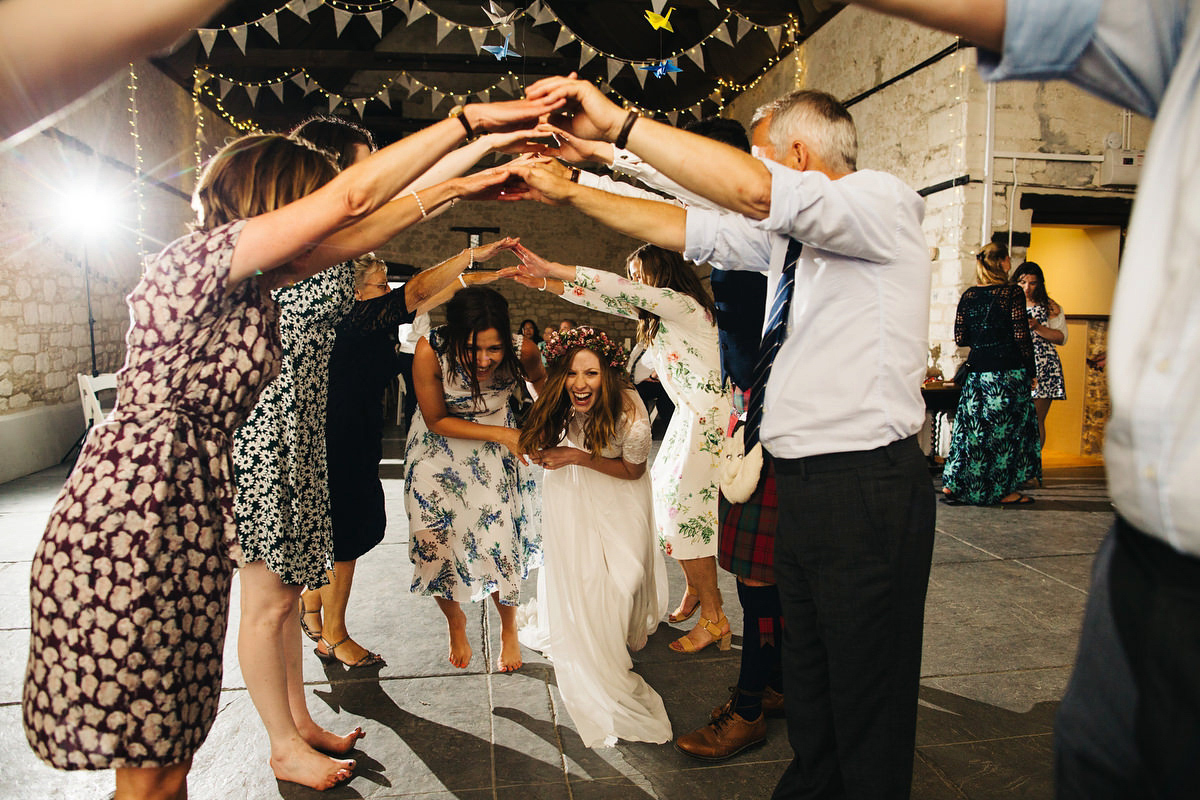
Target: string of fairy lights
139 188
731 29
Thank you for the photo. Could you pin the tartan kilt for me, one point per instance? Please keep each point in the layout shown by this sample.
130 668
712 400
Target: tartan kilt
746 544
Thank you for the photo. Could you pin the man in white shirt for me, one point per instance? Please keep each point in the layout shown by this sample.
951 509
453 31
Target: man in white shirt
842 406
1129 724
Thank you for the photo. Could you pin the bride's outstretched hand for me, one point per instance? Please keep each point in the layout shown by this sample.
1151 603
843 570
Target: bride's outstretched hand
484 252
490 276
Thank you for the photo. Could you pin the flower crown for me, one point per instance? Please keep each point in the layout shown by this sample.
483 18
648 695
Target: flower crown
584 338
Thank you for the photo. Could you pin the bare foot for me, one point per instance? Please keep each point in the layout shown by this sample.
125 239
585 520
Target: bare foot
307 767
510 652
329 742
460 647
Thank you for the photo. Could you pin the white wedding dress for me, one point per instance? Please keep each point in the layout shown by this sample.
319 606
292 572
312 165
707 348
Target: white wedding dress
602 589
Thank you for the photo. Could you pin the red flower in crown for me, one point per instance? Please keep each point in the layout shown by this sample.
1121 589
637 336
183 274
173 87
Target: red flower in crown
584 338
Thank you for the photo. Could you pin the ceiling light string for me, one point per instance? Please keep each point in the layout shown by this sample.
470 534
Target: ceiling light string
139 188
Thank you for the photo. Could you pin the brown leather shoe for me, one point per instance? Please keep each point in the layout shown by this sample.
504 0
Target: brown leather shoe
724 737
772 703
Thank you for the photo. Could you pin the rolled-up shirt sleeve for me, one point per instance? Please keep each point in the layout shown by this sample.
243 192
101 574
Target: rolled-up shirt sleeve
726 240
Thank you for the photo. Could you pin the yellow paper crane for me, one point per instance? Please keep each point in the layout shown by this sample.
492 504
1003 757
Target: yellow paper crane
659 21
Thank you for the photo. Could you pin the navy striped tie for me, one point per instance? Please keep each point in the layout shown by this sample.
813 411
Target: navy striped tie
773 336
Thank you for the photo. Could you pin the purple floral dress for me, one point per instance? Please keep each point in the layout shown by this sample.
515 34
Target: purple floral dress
130 583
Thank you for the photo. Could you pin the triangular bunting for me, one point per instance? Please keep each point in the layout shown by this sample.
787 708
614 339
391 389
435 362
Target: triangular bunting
384 96
586 54
715 3
444 26
376 20
514 88
744 26
239 37
478 36
207 37
277 88
722 34
419 10
641 75
301 80
658 5
673 116
674 77
403 5
298 8
697 55
541 15
564 37
225 86
485 96
334 102
270 24
775 33
200 77
359 104
614 66
313 5
252 93
436 98
341 17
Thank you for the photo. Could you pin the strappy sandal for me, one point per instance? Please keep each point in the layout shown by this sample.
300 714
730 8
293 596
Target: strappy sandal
673 617
369 660
724 640
315 635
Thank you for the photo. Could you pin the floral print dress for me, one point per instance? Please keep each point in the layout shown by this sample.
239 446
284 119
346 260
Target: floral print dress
130 584
283 512
686 357
474 517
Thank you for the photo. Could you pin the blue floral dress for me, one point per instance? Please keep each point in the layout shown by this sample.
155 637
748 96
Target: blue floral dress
473 508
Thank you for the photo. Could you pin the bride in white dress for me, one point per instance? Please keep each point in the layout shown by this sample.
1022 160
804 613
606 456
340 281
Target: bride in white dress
602 588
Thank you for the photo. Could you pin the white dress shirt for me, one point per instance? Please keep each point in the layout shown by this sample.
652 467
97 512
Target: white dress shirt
1146 56
848 376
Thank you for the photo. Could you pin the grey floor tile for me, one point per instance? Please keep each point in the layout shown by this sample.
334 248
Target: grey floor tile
970 708
26 776
1075 571
1013 769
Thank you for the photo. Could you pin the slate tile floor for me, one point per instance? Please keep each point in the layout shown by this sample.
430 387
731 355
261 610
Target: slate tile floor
1002 617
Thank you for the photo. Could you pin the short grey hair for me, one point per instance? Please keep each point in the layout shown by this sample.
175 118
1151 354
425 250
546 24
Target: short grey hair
817 118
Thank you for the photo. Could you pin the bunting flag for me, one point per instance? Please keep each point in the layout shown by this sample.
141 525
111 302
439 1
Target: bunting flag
334 102
403 5
565 37
225 86
200 77
301 80
419 10
207 37
697 55
657 5
376 20
298 8
586 54
341 17
478 36
239 37
359 104
540 15
277 88
444 26
385 96
744 26
641 73
270 24
722 34
776 33
252 93
436 97
673 116
485 96
614 66
313 5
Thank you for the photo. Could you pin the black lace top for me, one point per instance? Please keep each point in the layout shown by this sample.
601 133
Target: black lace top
991 320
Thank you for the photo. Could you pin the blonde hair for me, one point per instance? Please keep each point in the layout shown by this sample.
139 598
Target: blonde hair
989 264
256 174
364 265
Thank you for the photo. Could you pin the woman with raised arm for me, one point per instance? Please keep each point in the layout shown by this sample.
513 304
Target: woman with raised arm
676 323
603 586
473 517
147 512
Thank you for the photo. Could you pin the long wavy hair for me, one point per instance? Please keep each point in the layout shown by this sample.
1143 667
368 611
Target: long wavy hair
256 174
470 312
991 264
666 269
547 422
1039 294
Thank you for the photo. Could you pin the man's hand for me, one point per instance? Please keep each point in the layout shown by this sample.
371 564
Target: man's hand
573 149
593 116
544 179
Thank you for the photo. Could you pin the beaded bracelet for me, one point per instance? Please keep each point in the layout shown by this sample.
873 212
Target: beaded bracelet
420 205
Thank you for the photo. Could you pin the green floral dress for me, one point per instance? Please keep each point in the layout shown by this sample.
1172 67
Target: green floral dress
687 359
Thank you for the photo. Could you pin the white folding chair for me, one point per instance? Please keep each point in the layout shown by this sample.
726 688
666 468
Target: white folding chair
89 392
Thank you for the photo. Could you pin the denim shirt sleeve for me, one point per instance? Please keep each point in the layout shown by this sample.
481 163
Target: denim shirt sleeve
1120 50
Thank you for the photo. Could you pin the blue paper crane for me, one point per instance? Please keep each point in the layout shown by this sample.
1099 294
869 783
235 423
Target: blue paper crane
501 52
661 69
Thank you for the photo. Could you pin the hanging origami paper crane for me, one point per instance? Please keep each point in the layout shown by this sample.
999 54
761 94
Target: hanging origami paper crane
660 69
501 52
497 16
660 21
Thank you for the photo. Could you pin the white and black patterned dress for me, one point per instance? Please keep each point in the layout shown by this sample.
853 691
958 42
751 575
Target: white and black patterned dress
130 584
279 458
473 514
1046 361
